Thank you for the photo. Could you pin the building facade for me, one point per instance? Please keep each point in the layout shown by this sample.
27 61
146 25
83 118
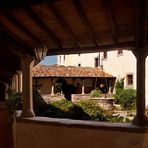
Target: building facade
121 63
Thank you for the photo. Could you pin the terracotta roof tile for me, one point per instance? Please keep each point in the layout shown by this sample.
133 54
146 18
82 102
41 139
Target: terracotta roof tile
68 71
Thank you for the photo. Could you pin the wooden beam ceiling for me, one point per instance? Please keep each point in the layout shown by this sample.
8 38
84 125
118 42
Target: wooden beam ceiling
92 49
140 23
41 24
85 21
5 79
17 40
16 4
11 45
63 23
110 19
19 25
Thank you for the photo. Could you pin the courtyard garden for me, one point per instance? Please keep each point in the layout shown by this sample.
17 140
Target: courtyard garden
122 109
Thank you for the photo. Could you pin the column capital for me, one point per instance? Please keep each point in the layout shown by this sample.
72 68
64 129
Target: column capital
140 52
27 59
19 72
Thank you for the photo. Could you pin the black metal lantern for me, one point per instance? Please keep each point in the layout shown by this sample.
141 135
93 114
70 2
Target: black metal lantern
41 49
40 52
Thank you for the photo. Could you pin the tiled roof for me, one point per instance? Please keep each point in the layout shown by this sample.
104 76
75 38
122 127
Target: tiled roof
68 71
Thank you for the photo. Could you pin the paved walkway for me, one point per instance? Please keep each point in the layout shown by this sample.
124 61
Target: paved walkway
5 129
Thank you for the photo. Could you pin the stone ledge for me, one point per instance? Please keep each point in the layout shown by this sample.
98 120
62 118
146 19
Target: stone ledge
122 127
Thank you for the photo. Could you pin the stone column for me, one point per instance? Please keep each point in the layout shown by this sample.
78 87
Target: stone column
6 91
52 87
140 118
83 87
27 63
13 83
19 74
16 83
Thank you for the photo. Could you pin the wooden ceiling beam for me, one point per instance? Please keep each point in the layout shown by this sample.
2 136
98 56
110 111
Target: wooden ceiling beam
17 40
8 55
63 23
110 19
85 21
9 46
140 23
6 70
126 45
19 25
10 65
16 4
5 79
40 23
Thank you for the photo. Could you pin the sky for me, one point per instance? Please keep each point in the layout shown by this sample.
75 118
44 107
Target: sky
49 60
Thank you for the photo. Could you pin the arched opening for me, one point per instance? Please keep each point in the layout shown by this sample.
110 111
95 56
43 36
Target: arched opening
62 86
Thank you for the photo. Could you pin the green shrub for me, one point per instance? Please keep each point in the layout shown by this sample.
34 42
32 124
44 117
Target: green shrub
82 110
120 84
118 88
39 105
95 93
14 101
128 99
63 104
64 109
94 111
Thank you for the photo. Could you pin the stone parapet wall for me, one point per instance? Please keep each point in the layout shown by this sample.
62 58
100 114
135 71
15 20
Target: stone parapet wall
44 132
78 97
106 103
50 98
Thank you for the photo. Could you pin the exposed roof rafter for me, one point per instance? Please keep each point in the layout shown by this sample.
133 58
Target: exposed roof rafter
5 79
40 23
92 49
85 21
140 23
111 20
8 45
61 20
19 25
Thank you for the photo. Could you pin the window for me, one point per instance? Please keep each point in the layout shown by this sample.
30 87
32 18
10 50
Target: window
129 79
104 54
60 59
96 62
120 52
64 57
79 65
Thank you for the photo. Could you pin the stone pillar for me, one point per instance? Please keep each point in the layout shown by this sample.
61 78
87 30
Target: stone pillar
13 83
110 87
27 63
6 91
83 87
52 87
140 118
16 83
19 74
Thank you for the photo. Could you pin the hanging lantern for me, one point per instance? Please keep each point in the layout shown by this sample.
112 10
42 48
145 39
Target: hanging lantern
40 52
101 85
41 49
